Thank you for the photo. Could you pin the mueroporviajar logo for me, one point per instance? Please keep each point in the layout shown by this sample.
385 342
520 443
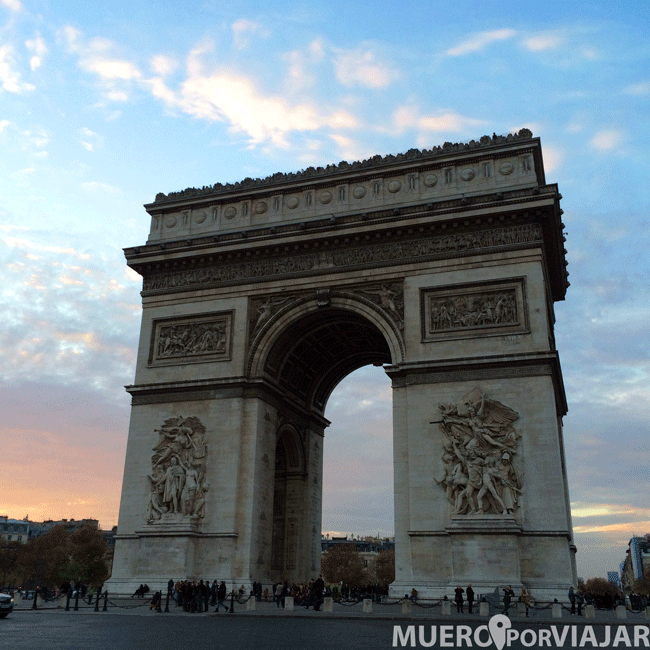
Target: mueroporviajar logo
500 633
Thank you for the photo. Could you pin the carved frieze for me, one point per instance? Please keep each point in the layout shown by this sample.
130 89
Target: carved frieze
369 255
474 310
178 478
191 339
478 453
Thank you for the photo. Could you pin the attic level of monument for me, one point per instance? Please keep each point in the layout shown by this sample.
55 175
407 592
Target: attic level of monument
427 207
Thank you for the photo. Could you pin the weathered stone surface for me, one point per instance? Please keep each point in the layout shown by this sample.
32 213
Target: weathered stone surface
259 298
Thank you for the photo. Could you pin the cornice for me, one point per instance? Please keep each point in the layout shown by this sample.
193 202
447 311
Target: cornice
333 173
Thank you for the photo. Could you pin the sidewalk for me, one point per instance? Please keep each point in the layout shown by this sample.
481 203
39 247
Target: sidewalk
392 610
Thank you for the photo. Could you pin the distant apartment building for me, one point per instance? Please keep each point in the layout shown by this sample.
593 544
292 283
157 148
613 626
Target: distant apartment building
368 547
637 560
613 577
14 530
39 528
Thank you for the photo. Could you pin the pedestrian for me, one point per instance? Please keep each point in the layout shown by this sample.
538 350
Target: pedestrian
221 597
508 594
580 599
525 598
469 593
572 599
459 591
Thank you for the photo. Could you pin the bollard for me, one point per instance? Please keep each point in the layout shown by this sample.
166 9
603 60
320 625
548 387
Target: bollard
366 607
60 603
407 607
590 611
621 612
647 613
328 604
98 594
167 603
67 604
250 605
76 602
35 599
556 610
484 608
105 601
288 603
521 608
159 605
446 608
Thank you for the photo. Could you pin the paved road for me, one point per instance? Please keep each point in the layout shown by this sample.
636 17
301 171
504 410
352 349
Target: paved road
272 629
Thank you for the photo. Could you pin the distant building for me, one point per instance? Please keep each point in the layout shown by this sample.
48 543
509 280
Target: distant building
368 547
39 528
14 530
636 561
612 576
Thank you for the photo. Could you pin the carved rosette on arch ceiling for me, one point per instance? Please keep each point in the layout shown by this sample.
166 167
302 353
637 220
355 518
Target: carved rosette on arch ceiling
178 484
478 455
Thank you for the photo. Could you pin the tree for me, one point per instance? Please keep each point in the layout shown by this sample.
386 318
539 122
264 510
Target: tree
385 567
342 563
9 562
60 556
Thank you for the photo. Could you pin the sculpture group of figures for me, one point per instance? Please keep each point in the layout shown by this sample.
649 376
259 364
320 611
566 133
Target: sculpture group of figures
178 484
474 310
193 338
480 446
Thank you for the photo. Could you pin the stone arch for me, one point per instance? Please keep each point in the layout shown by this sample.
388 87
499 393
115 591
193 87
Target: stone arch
308 347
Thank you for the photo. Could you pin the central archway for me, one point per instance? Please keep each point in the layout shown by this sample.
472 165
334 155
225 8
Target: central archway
308 351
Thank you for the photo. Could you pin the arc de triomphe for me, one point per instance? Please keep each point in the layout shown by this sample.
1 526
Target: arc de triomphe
440 265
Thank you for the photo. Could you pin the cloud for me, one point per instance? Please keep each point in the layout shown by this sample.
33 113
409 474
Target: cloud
90 141
36 45
9 78
226 96
12 5
638 89
163 65
553 157
243 29
607 139
360 67
443 121
299 75
480 41
545 41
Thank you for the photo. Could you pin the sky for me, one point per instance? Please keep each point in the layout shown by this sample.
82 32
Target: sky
103 105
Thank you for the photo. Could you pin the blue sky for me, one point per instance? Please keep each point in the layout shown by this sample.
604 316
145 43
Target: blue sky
103 105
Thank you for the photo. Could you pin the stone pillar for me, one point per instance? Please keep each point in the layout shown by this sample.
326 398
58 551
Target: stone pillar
407 607
251 604
60 602
621 612
647 613
446 608
590 611
328 604
556 610
521 608
484 609
367 606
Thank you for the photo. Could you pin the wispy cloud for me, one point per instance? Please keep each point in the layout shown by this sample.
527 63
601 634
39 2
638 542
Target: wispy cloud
480 41
638 89
9 77
39 48
607 139
12 5
544 41
361 67
243 30
90 140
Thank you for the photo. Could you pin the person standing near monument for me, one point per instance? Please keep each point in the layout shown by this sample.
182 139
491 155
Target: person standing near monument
221 597
459 591
469 593
525 598
508 594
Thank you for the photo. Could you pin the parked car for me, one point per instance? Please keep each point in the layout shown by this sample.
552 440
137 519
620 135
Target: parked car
6 605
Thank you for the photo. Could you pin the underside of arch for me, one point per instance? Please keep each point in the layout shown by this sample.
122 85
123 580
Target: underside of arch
314 353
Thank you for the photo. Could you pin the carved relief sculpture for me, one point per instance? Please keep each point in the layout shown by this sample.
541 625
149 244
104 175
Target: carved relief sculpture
390 298
481 442
468 310
178 484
